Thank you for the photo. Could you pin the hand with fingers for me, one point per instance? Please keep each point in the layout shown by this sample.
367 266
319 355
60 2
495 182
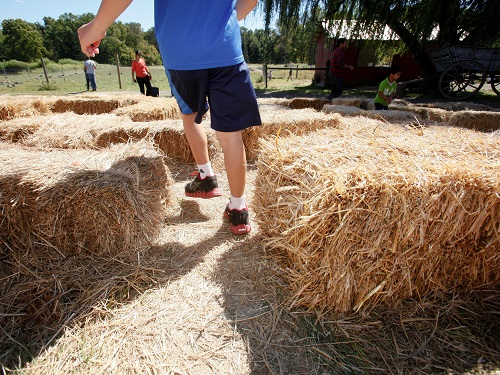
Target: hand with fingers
90 39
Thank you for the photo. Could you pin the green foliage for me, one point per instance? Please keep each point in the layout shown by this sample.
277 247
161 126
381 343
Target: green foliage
57 41
150 38
61 37
21 40
53 67
279 46
469 22
112 46
19 65
69 62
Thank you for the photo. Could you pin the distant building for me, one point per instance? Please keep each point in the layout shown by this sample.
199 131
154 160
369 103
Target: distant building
367 69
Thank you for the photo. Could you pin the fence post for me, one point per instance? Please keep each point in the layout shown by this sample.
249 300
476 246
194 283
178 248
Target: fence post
45 71
265 76
118 70
297 72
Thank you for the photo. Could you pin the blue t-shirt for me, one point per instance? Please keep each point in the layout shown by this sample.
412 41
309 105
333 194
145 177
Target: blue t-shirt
198 34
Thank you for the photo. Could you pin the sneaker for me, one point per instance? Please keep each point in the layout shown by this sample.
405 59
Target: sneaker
238 220
203 188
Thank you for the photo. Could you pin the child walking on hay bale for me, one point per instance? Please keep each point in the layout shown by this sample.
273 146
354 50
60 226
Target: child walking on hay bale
387 89
211 65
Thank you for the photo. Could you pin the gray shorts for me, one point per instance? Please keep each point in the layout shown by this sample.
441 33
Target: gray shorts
228 91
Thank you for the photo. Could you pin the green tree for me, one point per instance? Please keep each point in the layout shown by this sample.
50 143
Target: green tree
253 45
468 22
61 37
21 41
2 50
150 37
112 46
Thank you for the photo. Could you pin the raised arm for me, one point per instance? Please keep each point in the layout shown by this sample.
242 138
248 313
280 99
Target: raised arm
243 7
90 34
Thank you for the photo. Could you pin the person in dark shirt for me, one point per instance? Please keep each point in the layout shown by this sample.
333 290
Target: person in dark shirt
337 67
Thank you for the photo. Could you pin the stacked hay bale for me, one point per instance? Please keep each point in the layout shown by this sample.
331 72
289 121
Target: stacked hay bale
457 106
395 116
362 103
65 130
93 104
170 138
426 112
69 130
300 103
372 214
82 201
23 106
151 109
75 227
282 122
274 101
478 120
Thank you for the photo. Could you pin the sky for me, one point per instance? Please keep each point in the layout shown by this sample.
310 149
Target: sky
140 11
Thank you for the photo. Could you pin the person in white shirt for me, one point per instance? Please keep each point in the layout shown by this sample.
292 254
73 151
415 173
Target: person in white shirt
89 66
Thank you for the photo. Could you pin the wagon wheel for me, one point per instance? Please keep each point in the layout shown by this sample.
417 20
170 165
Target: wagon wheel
462 80
495 83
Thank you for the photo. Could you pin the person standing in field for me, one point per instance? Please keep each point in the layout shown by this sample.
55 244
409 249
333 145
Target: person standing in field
387 89
337 66
142 75
200 44
89 66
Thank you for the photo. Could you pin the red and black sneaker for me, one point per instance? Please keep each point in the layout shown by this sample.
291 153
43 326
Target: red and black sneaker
238 220
203 187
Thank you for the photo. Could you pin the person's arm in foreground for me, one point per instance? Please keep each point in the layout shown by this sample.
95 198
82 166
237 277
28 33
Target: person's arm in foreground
243 7
90 34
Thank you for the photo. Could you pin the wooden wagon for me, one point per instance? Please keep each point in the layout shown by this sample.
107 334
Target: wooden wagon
462 71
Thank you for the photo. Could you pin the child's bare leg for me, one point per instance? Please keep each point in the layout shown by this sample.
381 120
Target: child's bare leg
196 138
236 168
205 184
234 160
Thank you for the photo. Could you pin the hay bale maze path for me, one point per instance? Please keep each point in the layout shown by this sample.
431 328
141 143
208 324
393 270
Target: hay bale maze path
167 289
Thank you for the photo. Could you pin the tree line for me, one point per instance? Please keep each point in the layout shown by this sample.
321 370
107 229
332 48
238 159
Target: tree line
418 24
57 39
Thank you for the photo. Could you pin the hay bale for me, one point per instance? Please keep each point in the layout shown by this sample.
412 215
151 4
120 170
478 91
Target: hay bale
105 202
151 109
372 214
65 130
93 103
362 103
343 110
17 129
274 101
482 121
23 106
394 116
75 228
457 106
69 130
283 123
300 103
427 113
170 138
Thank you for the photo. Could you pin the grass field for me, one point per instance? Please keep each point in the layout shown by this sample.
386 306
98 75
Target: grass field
70 79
